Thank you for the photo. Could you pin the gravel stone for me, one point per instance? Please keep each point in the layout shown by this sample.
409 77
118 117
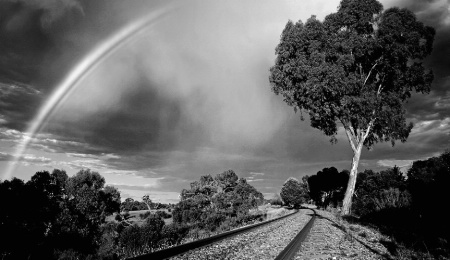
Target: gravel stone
262 243
333 239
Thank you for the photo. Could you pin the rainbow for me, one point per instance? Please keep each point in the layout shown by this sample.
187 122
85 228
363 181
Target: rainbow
88 64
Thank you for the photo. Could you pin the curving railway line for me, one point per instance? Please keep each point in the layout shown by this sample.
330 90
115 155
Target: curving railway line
278 239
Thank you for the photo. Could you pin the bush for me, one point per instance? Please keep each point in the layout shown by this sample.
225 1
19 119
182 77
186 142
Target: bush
145 215
392 198
173 234
214 221
292 192
276 200
135 240
163 214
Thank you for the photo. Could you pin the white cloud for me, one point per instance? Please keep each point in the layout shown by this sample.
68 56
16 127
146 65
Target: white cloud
257 173
26 159
392 163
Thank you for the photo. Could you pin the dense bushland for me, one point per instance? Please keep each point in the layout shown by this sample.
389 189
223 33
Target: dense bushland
409 207
53 216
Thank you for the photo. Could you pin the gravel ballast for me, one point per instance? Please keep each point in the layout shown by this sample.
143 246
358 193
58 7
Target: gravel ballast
331 239
265 242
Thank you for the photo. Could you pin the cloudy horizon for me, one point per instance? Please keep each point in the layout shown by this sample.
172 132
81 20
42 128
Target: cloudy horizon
189 96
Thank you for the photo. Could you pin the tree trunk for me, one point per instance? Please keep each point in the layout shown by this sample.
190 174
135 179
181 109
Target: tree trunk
346 206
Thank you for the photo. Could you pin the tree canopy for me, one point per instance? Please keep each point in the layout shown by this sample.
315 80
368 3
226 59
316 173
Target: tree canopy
210 200
328 186
356 69
293 193
53 213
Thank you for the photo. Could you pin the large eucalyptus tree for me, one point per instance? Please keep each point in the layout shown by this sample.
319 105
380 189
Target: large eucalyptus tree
355 70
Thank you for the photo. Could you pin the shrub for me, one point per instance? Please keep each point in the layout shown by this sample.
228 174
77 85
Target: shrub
163 214
145 215
135 240
276 200
392 198
173 234
292 192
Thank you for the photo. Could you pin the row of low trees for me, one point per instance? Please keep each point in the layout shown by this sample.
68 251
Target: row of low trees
54 216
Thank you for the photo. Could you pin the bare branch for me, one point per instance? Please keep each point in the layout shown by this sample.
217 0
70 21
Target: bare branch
350 138
380 88
370 72
354 132
366 134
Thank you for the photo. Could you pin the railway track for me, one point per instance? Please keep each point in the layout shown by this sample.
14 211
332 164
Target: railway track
277 239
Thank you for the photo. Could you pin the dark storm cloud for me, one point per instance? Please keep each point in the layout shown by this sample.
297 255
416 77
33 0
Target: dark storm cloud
26 42
18 102
25 30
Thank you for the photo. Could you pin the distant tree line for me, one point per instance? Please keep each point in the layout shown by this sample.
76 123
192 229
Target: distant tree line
130 204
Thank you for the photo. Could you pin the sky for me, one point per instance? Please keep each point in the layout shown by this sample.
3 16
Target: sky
187 95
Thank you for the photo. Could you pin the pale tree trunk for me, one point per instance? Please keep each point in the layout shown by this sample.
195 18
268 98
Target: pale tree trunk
347 203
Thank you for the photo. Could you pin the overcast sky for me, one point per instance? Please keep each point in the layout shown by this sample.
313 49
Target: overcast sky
188 96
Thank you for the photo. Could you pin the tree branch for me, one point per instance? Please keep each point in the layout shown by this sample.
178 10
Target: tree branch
370 72
354 132
366 134
380 88
350 139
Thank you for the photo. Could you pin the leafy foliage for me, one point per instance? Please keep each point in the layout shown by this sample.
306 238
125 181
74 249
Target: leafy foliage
210 201
404 207
293 193
53 216
130 205
276 200
356 68
372 188
428 183
328 186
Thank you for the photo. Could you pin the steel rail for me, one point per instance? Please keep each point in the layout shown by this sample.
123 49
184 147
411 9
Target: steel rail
293 247
176 250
